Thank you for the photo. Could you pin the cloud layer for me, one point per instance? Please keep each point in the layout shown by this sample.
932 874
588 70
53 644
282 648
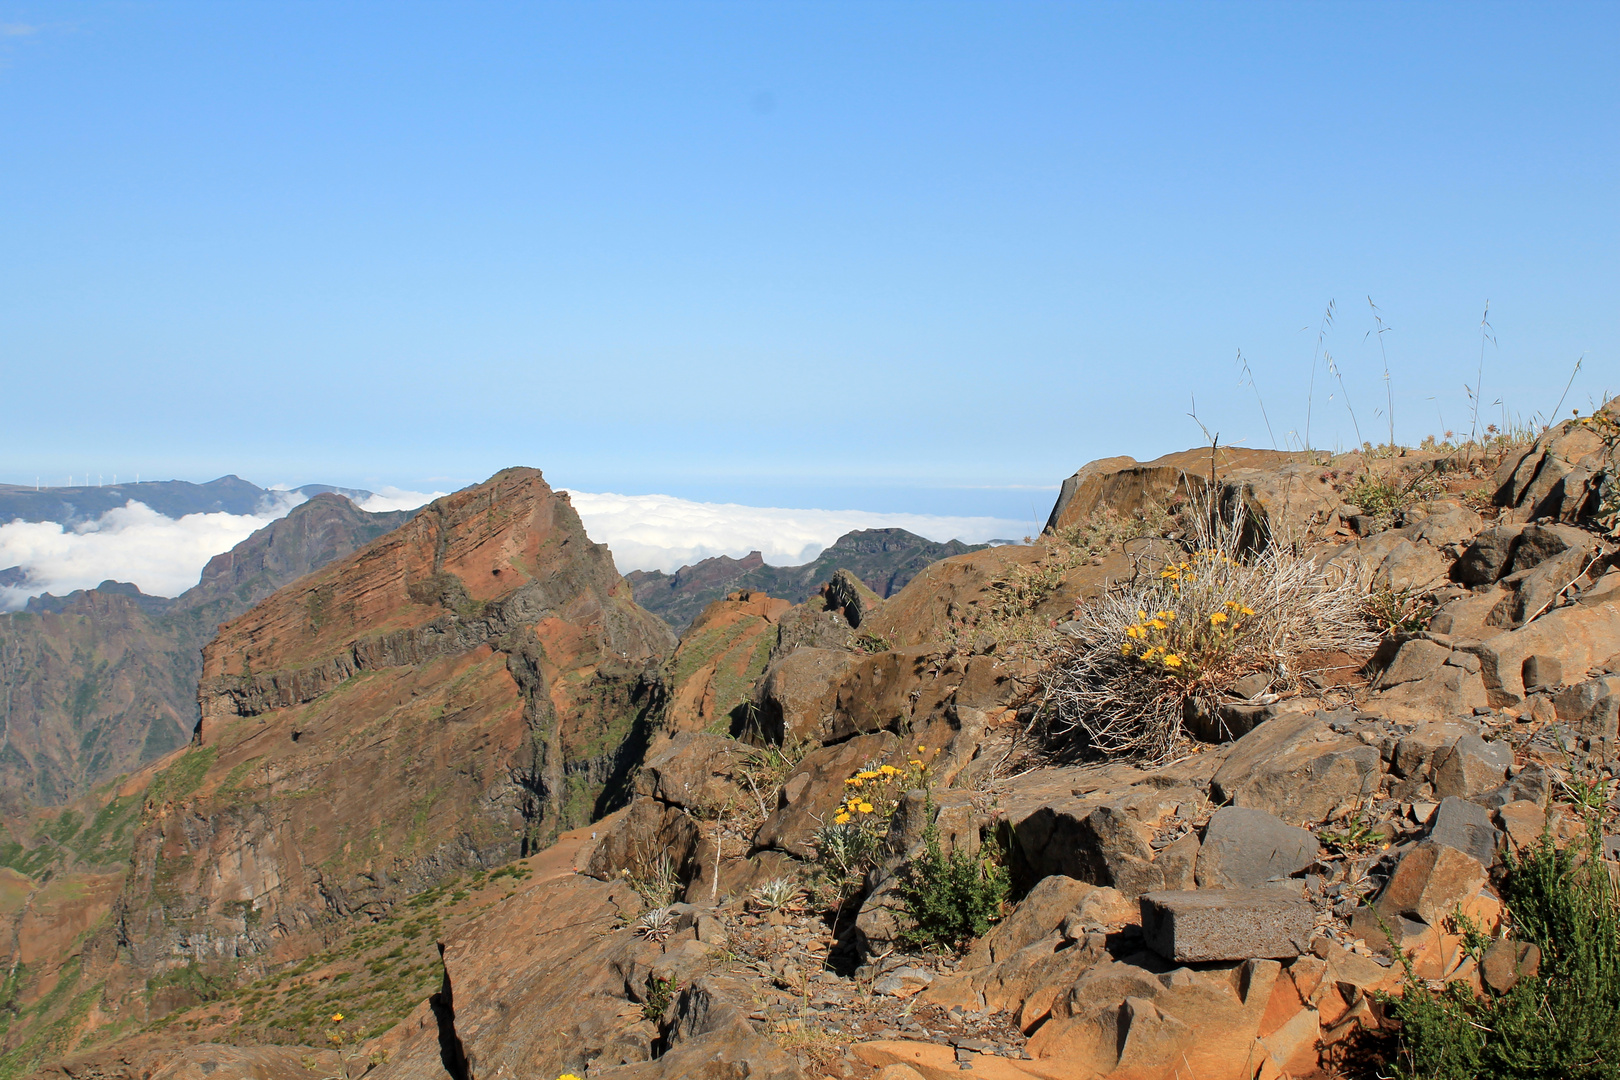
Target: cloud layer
661 532
162 555
165 556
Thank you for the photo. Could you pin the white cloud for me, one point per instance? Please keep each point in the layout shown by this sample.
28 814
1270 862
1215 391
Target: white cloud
162 555
393 498
660 532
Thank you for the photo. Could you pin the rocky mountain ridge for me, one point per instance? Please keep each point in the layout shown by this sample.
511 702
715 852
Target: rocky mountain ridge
1233 912
884 560
102 681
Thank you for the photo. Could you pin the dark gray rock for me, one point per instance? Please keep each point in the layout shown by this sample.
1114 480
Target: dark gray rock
1465 826
1531 785
1470 766
1487 558
1227 924
1245 848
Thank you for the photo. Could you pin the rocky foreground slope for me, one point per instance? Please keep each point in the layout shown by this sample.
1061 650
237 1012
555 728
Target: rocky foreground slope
1233 909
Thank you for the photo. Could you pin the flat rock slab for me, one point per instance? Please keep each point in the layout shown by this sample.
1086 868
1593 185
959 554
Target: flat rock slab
1227 924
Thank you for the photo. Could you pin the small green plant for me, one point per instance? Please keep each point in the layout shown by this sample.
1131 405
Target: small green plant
1399 611
776 894
656 925
846 849
871 643
659 884
1563 1021
953 898
660 992
1357 836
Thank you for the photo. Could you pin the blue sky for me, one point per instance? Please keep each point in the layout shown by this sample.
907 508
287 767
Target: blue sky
900 257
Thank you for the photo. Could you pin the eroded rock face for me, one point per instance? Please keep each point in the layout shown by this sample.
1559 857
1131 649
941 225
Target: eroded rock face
551 982
449 697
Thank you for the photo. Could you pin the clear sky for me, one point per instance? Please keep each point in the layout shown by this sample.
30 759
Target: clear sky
902 257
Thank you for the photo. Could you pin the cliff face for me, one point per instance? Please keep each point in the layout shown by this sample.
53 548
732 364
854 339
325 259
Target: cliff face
449 697
103 680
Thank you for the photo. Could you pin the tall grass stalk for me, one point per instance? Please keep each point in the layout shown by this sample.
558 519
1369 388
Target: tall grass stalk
1389 391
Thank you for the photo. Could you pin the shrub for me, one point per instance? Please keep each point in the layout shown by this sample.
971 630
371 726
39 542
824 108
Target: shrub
951 899
1122 677
1562 1022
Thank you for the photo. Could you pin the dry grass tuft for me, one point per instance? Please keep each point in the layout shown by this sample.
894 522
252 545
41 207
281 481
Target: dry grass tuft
1120 679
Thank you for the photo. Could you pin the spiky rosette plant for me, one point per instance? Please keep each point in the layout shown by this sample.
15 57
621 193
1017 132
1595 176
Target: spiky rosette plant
1185 630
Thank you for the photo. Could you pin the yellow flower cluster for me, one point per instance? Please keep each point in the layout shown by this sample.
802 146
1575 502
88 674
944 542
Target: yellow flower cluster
1165 641
876 791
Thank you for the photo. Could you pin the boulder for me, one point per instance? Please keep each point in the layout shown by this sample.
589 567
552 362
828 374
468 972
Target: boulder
1414 752
1578 636
1102 846
1245 848
1297 768
1226 924
1448 690
1415 660
1523 822
1465 826
1532 784
1470 766
648 833
1486 560
693 772
1038 916
1431 881
1557 477
795 698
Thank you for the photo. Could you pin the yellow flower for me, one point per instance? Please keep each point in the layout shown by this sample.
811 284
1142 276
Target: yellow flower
922 749
1246 610
888 770
1171 660
841 818
1157 624
1167 616
337 1018
1231 603
867 775
1134 632
1218 618
1142 615
1125 649
915 762
865 808
852 780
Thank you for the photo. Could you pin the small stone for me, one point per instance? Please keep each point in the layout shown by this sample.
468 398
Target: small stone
1465 826
1542 672
1506 962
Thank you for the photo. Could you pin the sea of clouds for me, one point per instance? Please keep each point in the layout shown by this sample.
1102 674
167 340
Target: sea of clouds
661 532
164 556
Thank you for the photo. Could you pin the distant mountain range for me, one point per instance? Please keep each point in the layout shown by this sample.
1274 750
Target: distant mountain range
172 498
97 682
884 559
